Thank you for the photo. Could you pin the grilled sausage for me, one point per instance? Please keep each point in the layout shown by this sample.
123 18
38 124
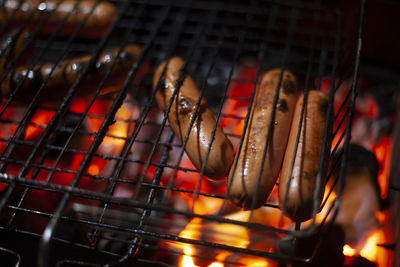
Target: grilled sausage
99 15
243 179
183 107
10 45
299 203
67 71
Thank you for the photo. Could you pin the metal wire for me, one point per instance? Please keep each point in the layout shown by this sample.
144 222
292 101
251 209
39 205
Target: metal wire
207 34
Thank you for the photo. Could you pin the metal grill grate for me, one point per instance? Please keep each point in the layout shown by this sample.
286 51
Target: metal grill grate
84 194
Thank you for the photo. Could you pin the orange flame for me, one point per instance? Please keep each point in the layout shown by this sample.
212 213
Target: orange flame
382 152
41 118
370 250
221 233
119 130
238 106
349 251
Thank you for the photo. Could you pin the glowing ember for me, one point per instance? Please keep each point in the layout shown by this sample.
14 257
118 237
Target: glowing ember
93 169
119 130
225 234
370 250
349 251
39 121
382 152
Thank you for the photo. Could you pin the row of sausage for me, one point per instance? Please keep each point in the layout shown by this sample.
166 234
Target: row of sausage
272 145
253 173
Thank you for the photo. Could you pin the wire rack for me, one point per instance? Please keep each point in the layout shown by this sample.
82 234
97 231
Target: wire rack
76 192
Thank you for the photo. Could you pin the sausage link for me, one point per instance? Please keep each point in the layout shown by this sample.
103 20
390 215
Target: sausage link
99 15
10 45
243 179
183 107
67 71
299 202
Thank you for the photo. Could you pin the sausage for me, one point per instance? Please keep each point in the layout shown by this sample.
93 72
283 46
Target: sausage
299 203
67 71
242 184
99 14
183 107
10 45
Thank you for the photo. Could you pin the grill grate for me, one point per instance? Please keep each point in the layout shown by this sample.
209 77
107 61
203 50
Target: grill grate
85 194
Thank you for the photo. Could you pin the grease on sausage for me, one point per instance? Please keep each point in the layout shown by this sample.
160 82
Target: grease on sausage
96 16
299 202
66 73
183 107
244 178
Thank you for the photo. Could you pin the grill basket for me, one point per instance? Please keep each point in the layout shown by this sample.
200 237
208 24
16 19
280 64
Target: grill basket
75 191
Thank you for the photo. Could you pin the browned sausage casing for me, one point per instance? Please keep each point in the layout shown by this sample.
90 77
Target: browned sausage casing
200 137
244 178
11 45
99 16
299 204
67 71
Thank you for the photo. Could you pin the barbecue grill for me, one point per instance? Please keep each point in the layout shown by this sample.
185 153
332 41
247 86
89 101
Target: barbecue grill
76 192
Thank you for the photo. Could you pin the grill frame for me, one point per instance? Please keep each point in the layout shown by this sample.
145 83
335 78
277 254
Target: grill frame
171 48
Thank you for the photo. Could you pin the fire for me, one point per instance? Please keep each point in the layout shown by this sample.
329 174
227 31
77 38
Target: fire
371 251
349 251
221 233
93 169
119 130
329 200
382 152
38 123
235 110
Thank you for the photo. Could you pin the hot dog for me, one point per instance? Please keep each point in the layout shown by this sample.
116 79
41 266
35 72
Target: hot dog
67 71
10 45
243 179
99 14
183 107
306 168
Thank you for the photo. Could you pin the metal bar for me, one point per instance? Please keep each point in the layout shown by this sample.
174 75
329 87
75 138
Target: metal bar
30 108
114 177
271 22
291 29
299 130
28 114
196 108
134 244
178 84
132 203
342 170
193 42
10 64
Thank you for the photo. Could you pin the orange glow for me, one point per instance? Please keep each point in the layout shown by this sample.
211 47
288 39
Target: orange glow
187 261
221 233
120 128
375 253
93 170
254 262
41 118
382 152
234 125
220 259
381 216
320 216
370 250
191 231
96 112
349 251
